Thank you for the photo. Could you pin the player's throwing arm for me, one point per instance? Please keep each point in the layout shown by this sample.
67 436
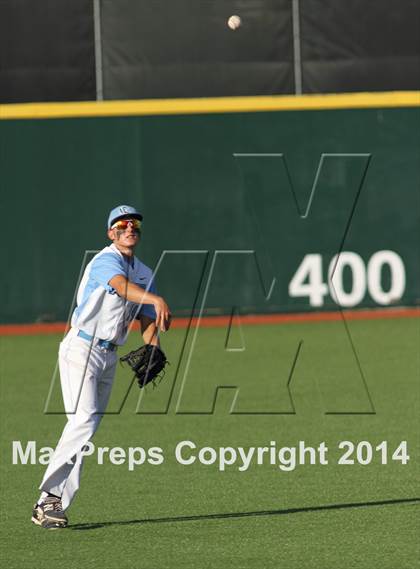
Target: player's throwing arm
134 293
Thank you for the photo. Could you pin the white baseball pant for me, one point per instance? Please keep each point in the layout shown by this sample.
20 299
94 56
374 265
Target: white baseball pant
87 374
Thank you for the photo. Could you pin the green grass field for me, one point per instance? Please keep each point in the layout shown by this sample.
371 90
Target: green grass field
176 516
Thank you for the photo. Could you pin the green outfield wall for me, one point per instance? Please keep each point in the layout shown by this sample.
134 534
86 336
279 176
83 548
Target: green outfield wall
243 211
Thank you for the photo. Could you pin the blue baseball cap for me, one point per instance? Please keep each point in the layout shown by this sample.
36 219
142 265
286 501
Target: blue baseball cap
123 211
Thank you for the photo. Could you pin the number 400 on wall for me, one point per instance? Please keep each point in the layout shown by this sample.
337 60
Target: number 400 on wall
308 279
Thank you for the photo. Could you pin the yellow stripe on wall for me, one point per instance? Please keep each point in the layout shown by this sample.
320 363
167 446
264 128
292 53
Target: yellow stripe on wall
209 105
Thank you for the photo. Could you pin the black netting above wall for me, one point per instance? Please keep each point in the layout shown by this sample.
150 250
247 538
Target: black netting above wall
185 48
355 45
46 50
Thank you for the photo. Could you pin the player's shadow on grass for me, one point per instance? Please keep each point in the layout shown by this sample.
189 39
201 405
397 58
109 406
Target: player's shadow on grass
204 517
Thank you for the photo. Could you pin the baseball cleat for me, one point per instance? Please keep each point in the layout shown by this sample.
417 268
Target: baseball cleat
49 514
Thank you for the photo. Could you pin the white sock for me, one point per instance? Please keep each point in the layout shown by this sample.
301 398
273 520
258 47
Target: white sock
42 497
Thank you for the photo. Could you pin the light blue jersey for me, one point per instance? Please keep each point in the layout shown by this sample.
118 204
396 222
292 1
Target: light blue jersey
100 312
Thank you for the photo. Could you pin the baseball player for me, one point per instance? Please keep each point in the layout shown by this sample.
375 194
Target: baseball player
115 289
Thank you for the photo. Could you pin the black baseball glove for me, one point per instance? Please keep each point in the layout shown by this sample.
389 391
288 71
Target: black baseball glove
146 362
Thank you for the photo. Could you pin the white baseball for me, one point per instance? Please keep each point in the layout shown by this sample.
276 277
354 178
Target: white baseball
234 22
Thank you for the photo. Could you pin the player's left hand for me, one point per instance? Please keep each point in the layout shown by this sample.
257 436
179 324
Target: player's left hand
146 362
